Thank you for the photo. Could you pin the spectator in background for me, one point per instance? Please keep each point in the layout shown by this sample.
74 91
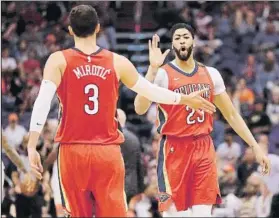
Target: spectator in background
248 201
245 206
274 140
266 39
259 121
227 179
43 50
59 33
272 109
14 132
30 14
248 71
131 151
246 95
208 45
8 63
268 71
31 63
246 168
229 151
202 21
224 22
21 53
32 33
271 180
245 22
263 202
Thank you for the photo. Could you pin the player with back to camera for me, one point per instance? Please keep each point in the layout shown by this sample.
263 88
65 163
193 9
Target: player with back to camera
86 79
187 172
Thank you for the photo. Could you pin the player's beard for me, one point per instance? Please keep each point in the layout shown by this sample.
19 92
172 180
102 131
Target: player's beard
183 57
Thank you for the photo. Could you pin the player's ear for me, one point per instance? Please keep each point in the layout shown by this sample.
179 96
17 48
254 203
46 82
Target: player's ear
97 30
70 31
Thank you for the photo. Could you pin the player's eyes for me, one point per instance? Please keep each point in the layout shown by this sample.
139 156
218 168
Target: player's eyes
176 38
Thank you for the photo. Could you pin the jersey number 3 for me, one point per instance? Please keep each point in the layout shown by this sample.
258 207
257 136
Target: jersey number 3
93 98
190 120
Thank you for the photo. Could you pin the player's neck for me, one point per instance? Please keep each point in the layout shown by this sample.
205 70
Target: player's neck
86 45
186 66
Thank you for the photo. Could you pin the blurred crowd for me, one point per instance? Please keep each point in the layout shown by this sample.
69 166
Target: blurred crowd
240 39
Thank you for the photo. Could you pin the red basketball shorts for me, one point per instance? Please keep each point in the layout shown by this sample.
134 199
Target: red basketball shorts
187 172
92 180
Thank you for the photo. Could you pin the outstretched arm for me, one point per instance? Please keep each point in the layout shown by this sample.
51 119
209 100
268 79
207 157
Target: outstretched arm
131 78
13 155
141 103
223 102
54 67
51 80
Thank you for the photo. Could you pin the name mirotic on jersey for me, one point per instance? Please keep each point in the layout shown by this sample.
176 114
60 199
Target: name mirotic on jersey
91 70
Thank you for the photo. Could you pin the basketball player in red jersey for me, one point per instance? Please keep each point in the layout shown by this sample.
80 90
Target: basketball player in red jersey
187 172
86 79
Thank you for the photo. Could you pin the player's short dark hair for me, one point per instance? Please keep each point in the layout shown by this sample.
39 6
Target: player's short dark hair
182 26
83 20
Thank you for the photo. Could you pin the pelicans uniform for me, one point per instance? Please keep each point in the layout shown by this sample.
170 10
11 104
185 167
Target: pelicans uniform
90 164
186 170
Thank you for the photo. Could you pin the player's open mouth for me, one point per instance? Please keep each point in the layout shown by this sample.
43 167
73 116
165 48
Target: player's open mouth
183 49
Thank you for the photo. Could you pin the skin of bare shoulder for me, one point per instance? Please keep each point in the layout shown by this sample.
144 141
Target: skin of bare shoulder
55 67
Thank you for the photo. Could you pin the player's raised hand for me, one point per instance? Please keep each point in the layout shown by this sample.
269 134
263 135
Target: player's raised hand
156 57
196 102
35 163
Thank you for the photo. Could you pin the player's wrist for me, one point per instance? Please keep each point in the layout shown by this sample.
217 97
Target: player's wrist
31 148
184 99
154 69
151 73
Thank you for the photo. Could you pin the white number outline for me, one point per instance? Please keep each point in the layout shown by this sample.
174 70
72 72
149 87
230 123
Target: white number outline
93 98
200 119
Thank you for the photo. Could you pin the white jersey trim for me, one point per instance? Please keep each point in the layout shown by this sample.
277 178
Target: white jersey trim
162 79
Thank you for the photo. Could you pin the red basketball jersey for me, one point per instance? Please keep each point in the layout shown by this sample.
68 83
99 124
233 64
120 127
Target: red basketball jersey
181 120
88 96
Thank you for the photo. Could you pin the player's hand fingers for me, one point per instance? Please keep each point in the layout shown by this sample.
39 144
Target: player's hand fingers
157 40
166 53
36 173
205 109
34 166
201 91
208 108
208 105
266 166
149 45
41 167
153 42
